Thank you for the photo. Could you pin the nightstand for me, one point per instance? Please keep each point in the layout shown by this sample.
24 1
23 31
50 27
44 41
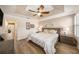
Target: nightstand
68 40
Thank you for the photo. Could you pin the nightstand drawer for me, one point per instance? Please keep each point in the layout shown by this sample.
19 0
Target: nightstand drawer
68 40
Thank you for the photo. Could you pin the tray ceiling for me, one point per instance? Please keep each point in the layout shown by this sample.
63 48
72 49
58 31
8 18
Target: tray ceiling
23 10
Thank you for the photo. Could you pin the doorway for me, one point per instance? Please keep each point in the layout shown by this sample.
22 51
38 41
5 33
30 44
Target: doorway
10 31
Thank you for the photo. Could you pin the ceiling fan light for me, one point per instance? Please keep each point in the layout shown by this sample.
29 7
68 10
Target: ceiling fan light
39 14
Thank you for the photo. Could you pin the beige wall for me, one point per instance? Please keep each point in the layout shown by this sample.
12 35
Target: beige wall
20 25
62 22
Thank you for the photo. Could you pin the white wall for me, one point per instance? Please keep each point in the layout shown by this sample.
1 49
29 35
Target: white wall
22 32
61 22
20 25
8 8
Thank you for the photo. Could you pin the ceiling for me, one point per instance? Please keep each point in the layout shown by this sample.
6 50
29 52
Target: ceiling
54 10
22 10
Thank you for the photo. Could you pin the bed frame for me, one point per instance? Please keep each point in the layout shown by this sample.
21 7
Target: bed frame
57 29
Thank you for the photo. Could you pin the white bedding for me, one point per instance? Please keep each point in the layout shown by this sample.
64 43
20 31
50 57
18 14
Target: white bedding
45 40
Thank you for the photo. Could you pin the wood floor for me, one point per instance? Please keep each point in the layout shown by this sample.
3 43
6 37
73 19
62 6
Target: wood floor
24 47
7 47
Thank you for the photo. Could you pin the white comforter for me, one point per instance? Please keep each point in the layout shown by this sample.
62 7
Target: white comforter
45 40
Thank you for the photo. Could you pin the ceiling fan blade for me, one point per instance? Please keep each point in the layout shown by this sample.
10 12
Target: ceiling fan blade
41 15
32 11
34 14
45 12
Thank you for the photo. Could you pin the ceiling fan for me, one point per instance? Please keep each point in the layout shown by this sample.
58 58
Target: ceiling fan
40 11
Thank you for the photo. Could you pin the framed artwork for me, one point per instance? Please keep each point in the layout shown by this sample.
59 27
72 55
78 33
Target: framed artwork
32 25
27 25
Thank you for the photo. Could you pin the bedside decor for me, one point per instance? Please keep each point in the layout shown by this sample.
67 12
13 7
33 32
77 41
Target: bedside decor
40 28
66 30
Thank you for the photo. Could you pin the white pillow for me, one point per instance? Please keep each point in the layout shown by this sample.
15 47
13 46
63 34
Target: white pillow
46 31
53 31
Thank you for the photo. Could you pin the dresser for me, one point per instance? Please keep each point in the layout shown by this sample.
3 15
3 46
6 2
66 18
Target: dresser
68 40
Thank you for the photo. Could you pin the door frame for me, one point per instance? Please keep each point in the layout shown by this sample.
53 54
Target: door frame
13 33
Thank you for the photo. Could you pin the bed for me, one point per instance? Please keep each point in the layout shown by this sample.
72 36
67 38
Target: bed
46 40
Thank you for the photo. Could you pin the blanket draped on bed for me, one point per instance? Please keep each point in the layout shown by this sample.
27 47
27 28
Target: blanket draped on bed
46 41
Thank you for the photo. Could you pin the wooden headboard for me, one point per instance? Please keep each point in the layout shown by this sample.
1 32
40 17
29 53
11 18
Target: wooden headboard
57 29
